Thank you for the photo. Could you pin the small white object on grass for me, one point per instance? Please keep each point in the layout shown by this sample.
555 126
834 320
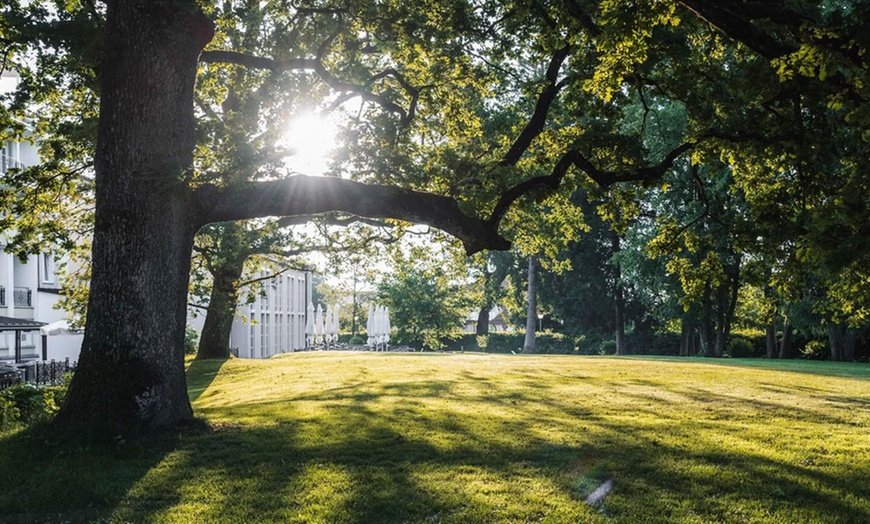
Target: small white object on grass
596 497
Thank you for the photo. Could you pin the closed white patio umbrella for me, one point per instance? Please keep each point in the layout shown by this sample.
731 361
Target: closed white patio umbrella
318 325
370 327
309 326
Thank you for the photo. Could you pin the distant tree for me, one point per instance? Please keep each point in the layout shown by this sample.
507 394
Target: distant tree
427 297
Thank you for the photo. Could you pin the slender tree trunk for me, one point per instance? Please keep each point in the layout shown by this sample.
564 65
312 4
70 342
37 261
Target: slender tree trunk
836 336
131 368
618 302
770 339
785 345
482 328
532 310
727 306
850 340
705 330
685 335
214 341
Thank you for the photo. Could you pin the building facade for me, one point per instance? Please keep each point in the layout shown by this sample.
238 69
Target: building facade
274 322
30 288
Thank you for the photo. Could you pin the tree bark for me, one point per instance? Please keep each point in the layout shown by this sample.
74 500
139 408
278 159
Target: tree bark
482 328
618 302
684 337
785 343
131 367
849 342
532 309
214 341
706 326
770 339
836 335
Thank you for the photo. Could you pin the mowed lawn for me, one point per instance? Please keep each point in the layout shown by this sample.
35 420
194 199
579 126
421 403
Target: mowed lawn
368 438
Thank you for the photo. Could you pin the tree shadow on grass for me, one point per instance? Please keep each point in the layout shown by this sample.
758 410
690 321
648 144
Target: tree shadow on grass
389 453
200 375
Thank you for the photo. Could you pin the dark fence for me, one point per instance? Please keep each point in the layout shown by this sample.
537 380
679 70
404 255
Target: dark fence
45 373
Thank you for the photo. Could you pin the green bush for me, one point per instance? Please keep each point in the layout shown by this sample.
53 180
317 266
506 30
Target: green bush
27 404
545 343
608 347
357 340
739 347
816 350
191 340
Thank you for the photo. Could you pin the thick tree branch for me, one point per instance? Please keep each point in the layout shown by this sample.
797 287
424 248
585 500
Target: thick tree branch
602 178
303 195
535 125
550 182
730 17
644 174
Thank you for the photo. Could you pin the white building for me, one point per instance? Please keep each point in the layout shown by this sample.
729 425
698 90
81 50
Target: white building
30 289
274 322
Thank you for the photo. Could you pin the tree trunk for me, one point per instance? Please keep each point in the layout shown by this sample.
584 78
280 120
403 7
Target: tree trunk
685 335
482 328
706 327
785 343
836 336
131 368
727 306
850 340
214 341
618 303
532 310
770 339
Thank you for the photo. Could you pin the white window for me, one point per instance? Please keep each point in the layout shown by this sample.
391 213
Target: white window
47 268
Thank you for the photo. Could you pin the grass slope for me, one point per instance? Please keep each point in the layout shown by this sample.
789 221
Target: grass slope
364 438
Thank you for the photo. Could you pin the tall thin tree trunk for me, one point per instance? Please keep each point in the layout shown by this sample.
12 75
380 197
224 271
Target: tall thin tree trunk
727 306
770 339
685 335
785 351
850 340
131 369
618 302
705 329
482 327
532 310
836 336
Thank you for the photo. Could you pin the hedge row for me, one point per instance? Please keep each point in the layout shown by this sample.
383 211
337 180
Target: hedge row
739 346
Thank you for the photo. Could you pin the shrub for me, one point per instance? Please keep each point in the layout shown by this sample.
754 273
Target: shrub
608 347
545 343
357 340
191 340
739 347
816 350
26 403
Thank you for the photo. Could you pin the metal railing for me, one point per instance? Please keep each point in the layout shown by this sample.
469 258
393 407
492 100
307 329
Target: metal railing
22 297
7 162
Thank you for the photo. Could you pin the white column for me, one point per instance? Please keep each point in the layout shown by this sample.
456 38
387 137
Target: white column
10 285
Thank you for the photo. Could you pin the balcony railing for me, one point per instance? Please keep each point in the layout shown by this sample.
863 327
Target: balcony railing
22 297
7 162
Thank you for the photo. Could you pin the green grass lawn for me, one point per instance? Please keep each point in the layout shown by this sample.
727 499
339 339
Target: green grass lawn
367 438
